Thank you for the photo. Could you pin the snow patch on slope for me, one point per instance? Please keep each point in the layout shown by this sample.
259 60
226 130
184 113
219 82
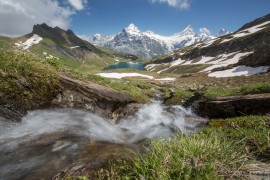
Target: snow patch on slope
248 31
74 47
240 71
35 39
122 75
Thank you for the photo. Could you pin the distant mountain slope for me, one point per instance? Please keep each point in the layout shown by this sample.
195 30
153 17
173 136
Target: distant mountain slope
245 52
62 37
67 48
148 44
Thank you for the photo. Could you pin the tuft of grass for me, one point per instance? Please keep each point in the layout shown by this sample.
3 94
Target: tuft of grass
251 131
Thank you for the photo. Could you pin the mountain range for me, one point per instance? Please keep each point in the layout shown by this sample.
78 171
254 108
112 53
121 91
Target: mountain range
148 44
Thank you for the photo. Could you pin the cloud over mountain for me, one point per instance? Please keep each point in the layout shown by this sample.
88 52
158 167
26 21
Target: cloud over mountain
205 30
78 4
18 17
182 4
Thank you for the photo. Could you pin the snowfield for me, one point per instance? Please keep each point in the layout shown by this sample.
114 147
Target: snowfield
122 75
239 71
35 39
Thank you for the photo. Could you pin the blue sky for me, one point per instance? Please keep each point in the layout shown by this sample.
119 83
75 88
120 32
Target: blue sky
110 16
88 17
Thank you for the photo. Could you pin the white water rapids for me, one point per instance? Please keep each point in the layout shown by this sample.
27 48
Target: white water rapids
44 136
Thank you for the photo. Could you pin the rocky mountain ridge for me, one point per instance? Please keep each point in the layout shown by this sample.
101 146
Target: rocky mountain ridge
244 52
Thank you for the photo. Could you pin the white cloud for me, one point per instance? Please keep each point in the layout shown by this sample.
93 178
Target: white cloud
78 4
182 4
17 17
205 30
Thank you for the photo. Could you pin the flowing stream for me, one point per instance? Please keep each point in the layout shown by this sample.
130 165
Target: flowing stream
47 141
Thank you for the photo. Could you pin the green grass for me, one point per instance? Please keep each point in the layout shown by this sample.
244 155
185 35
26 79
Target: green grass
5 42
220 151
141 91
256 88
251 131
213 92
27 81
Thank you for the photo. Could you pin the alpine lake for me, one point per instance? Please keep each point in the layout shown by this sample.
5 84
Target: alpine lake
129 65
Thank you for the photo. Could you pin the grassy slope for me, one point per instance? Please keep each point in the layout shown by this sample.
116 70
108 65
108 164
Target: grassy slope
27 81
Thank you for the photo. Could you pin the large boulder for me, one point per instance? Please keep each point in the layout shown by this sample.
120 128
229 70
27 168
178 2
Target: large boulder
231 106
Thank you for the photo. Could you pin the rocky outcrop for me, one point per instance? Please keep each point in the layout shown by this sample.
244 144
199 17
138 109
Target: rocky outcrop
90 96
231 106
260 57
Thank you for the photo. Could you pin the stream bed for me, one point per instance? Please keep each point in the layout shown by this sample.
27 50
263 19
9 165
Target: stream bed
47 141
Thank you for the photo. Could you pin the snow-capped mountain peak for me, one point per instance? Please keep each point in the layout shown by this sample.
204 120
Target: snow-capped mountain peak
149 32
132 29
223 32
187 31
97 36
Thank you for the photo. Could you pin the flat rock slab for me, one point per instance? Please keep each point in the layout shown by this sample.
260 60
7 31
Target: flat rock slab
231 106
90 96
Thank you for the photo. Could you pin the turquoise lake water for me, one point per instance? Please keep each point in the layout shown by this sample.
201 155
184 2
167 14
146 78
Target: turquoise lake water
130 65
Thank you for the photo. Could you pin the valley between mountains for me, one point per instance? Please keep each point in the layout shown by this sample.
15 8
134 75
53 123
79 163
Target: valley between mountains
197 109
